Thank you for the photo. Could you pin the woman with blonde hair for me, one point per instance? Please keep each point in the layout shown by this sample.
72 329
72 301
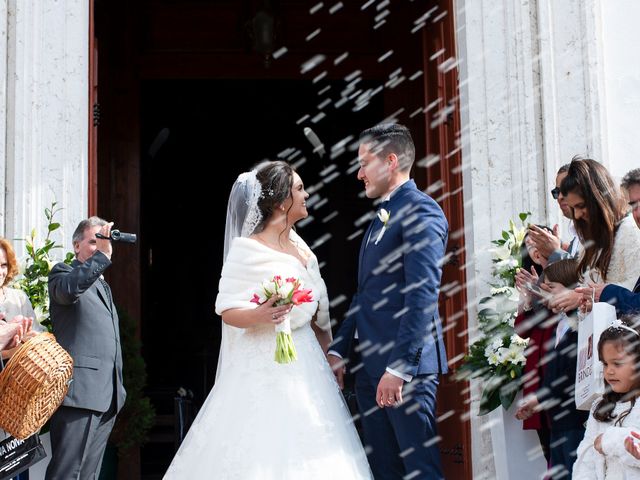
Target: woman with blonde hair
13 301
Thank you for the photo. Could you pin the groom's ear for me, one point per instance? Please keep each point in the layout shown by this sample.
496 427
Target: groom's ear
393 160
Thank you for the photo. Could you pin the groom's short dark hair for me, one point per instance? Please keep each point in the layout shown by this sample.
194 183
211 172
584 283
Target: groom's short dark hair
391 138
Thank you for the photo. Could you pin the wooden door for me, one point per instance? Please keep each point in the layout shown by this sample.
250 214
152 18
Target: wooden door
94 114
444 180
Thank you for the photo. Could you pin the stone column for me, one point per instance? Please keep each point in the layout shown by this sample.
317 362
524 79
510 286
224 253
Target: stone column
531 97
3 108
45 116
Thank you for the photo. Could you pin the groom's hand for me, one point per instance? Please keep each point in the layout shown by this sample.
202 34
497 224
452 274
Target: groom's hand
389 390
337 365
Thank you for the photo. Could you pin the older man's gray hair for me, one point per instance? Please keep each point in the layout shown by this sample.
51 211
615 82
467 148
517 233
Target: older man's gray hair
78 234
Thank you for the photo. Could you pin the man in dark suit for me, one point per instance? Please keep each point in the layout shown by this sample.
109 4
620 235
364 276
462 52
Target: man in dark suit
393 327
85 323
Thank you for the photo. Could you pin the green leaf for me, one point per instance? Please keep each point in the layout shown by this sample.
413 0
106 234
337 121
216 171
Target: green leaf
505 235
489 401
508 393
36 269
523 216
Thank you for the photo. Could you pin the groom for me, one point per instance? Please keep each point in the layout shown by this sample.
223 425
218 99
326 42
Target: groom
392 336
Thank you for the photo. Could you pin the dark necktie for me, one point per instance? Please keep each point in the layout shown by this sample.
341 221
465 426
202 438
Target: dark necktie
377 223
105 285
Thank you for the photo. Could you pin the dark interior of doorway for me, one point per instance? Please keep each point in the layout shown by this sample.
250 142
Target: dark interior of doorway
197 136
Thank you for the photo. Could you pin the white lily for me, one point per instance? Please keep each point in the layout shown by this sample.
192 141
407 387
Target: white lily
502 252
519 341
384 217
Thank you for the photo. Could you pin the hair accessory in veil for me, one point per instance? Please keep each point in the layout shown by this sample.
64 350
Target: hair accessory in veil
243 214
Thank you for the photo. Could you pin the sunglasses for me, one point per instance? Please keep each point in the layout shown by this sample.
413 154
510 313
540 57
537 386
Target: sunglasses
555 193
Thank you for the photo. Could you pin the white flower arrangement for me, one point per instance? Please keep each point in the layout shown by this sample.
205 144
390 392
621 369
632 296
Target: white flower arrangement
497 357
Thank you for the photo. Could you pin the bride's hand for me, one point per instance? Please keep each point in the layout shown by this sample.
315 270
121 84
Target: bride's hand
267 313
338 366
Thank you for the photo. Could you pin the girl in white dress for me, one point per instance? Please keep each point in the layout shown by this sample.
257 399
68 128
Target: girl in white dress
265 420
602 453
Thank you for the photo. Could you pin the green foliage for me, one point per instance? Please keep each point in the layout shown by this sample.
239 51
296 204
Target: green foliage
497 356
37 266
137 415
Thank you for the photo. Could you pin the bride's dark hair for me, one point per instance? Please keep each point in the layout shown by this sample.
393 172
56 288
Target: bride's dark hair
276 180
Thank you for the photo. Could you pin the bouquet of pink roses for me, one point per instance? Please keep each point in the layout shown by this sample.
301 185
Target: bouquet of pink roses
291 292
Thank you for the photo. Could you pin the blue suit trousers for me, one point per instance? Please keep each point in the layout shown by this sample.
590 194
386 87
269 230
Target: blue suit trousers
401 442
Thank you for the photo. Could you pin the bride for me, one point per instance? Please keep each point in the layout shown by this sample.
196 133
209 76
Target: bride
265 420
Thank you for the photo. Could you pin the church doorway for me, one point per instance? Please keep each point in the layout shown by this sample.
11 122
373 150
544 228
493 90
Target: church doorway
184 89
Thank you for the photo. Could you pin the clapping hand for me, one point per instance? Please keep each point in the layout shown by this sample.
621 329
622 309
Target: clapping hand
14 331
528 407
543 240
590 294
563 299
631 446
522 278
597 444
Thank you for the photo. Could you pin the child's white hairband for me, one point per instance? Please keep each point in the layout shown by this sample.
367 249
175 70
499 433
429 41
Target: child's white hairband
617 323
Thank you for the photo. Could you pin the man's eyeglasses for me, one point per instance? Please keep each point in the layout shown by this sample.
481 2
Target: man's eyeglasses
555 193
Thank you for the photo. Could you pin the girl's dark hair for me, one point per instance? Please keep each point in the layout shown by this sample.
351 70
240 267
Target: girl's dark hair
276 179
605 204
563 271
628 339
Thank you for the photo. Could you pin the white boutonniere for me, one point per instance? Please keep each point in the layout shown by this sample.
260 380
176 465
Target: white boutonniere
384 217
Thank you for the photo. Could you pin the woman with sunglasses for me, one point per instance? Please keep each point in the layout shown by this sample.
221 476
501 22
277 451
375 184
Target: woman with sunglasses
548 243
610 236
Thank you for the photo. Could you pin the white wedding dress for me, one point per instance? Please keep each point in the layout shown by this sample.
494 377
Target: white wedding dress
264 420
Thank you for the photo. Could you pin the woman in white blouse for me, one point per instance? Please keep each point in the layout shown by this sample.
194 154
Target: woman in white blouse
610 236
13 302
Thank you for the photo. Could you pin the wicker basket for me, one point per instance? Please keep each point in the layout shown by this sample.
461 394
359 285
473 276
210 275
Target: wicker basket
33 385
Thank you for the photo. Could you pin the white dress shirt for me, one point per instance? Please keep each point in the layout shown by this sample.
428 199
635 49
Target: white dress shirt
403 376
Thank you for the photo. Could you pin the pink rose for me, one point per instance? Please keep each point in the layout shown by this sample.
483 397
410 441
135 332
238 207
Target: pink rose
301 296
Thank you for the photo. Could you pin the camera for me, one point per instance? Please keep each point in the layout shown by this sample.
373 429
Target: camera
118 236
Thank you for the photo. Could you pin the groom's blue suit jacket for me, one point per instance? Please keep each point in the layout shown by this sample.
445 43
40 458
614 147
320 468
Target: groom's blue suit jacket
395 309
